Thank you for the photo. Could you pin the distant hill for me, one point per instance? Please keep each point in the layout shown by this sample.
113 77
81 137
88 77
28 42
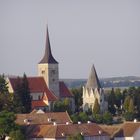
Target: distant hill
120 82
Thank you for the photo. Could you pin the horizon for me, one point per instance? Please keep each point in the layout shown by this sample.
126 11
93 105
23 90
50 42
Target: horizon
81 33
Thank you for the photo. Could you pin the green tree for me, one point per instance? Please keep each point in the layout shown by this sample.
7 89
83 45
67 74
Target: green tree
74 118
62 105
3 85
77 92
22 98
16 135
126 103
129 116
119 97
75 137
26 98
107 118
111 102
131 106
7 123
98 118
83 117
96 108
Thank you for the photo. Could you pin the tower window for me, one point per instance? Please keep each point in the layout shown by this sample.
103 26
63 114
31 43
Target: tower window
43 71
53 71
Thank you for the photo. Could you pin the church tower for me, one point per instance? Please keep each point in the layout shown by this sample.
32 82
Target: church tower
92 91
48 68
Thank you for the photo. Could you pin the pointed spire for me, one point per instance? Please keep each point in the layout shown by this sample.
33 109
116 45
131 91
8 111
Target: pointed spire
93 81
48 57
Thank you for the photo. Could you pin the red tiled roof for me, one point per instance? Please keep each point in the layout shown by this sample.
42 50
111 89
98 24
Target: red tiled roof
56 131
128 129
42 118
36 84
64 91
38 103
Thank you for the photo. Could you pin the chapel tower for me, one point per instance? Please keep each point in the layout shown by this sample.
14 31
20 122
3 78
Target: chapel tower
92 91
48 68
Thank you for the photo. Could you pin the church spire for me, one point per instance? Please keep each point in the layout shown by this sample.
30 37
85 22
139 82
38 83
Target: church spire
48 57
93 81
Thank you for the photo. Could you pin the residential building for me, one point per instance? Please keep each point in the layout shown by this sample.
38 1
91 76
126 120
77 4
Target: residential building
128 131
89 131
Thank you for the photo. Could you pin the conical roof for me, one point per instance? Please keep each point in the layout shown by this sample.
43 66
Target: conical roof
93 81
48 57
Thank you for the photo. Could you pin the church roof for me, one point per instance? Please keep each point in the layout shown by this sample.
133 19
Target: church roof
36 85
93 80
64 91
48 57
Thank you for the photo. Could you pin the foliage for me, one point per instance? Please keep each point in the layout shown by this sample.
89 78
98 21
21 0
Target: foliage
107 118
83 117
96 108
7 123
26 98
77 92
131 106
75 137
74 118
98 118
111 102
126 103
129 116
16 135
3 85
62 105
22 98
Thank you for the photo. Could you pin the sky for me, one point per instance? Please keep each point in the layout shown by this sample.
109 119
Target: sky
105 33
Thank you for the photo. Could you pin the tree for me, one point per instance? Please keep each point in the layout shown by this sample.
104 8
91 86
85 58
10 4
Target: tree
62 105
131 106
26 98
98 118
107 118
126 103
119 97
74 118
7 123
3 85
129 116
22 98
83 117
77 92
111 102
16 135
96 108
75 137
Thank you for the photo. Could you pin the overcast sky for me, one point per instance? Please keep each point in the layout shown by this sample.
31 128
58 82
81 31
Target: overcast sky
105 33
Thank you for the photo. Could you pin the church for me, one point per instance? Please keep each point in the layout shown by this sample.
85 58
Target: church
46 88
92 91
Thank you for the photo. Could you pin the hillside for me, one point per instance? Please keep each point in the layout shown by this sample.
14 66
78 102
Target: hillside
120 82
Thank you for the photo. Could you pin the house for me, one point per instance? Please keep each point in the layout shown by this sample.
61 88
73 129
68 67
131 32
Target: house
89 131
128 131
111 129
46 88
92 91
42 118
